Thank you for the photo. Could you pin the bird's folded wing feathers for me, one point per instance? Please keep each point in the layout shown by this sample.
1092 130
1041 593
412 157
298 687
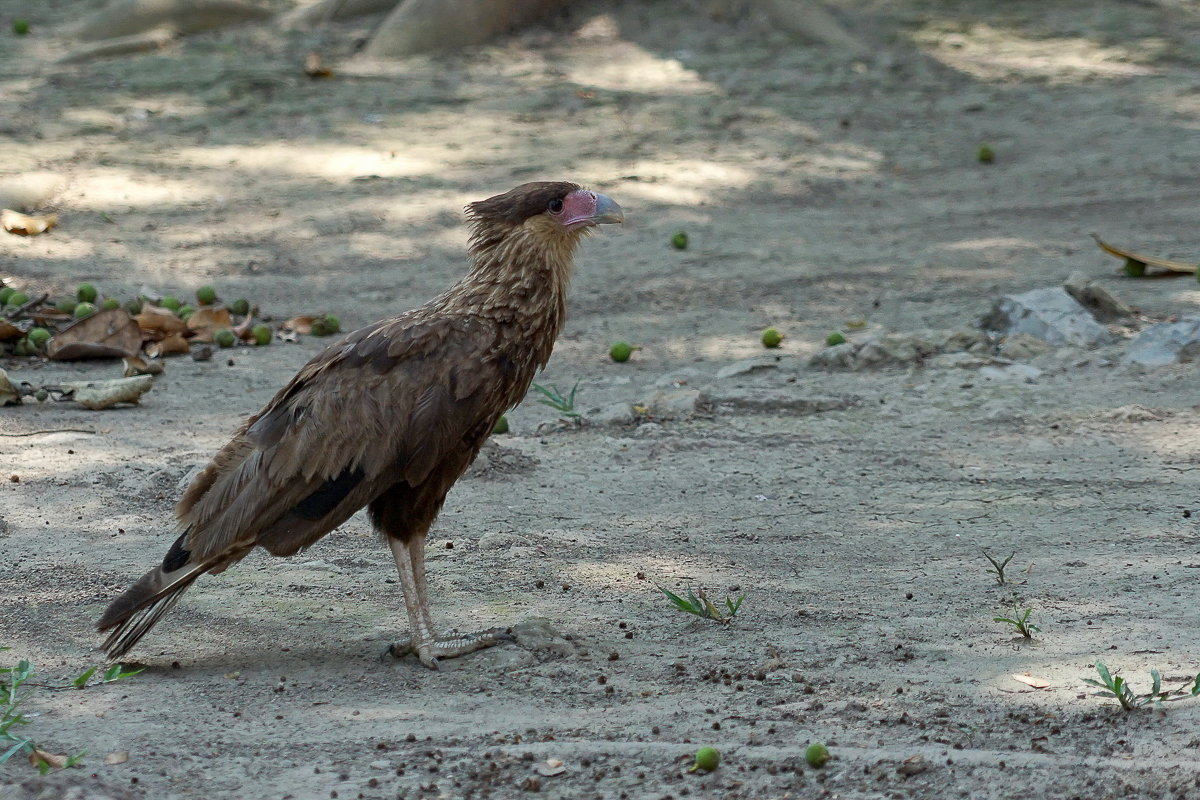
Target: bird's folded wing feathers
351 409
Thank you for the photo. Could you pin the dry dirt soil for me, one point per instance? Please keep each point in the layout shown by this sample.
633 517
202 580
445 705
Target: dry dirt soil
816 188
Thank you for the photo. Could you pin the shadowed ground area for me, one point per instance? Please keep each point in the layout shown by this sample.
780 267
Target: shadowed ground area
815 189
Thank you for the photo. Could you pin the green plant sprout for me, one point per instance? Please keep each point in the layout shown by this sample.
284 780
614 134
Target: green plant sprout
554 398
13 694
702 607
998 566
1117 687
1021 622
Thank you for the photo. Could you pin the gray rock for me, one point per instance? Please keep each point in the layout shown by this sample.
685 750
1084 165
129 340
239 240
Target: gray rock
1022 346
1050 314
899 349
1166 343
1102 303
676 404
839 356
614 414
746 367
777 402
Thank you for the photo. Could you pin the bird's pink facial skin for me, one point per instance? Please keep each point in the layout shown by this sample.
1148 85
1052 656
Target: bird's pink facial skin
582 208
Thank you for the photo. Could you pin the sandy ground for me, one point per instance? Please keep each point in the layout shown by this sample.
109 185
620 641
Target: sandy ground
815 189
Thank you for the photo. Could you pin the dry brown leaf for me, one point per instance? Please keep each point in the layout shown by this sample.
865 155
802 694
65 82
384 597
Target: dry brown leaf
39 755
313 67
300 324
8 330
119 757
136 365
106 334
157 322
210 317
25 225
170 345
97 395
1029 680
205 322
8 392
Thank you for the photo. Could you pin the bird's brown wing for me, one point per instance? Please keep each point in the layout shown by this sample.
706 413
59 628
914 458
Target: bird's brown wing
385 405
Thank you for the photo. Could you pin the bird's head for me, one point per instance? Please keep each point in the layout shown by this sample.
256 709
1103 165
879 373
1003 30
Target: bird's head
555 214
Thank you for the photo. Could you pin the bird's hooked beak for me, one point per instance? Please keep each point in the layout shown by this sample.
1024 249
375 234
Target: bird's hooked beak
584 208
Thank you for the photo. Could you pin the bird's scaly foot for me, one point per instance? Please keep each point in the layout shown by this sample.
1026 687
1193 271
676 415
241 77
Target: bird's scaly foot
441 647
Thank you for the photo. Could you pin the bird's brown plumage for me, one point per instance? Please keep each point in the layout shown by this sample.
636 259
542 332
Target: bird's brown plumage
390 416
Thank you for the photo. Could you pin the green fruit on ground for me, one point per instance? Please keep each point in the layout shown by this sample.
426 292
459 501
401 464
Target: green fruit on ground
84 310
86 293
170 303
42 395
985 154
816 755
66 305
225 338
835 338
262 334
241 307
20 27
134 306
185 311
318 328
38 337
679 241
771 337
6 293
206 295
17 299
707 759
23 349
1135 268
111 303
501 425
332 324
620 352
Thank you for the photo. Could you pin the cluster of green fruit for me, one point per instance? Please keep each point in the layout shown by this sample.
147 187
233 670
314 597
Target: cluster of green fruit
32 343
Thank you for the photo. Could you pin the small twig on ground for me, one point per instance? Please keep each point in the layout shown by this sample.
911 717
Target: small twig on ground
50 430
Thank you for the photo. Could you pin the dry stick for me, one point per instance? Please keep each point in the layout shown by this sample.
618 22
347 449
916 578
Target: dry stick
30 304
50 430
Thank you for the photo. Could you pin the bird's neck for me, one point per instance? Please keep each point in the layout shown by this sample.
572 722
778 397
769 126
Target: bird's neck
521 283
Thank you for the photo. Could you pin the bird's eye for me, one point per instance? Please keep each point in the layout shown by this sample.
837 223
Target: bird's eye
556 206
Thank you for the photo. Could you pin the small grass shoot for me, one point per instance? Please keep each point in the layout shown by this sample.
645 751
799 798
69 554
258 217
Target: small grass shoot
699 604
1117 687
998 566
563 404
1020 621
14 691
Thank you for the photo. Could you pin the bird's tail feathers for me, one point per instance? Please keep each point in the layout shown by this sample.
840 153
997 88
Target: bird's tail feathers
141 606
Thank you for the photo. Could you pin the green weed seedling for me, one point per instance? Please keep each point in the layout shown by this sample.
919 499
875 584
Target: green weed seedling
13 693
998 566
552 397
702 607
1117 687
1021 622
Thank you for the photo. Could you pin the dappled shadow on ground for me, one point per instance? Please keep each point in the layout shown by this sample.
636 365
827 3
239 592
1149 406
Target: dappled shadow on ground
815 189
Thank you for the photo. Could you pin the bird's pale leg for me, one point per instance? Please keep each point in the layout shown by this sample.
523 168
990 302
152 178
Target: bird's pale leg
410 563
